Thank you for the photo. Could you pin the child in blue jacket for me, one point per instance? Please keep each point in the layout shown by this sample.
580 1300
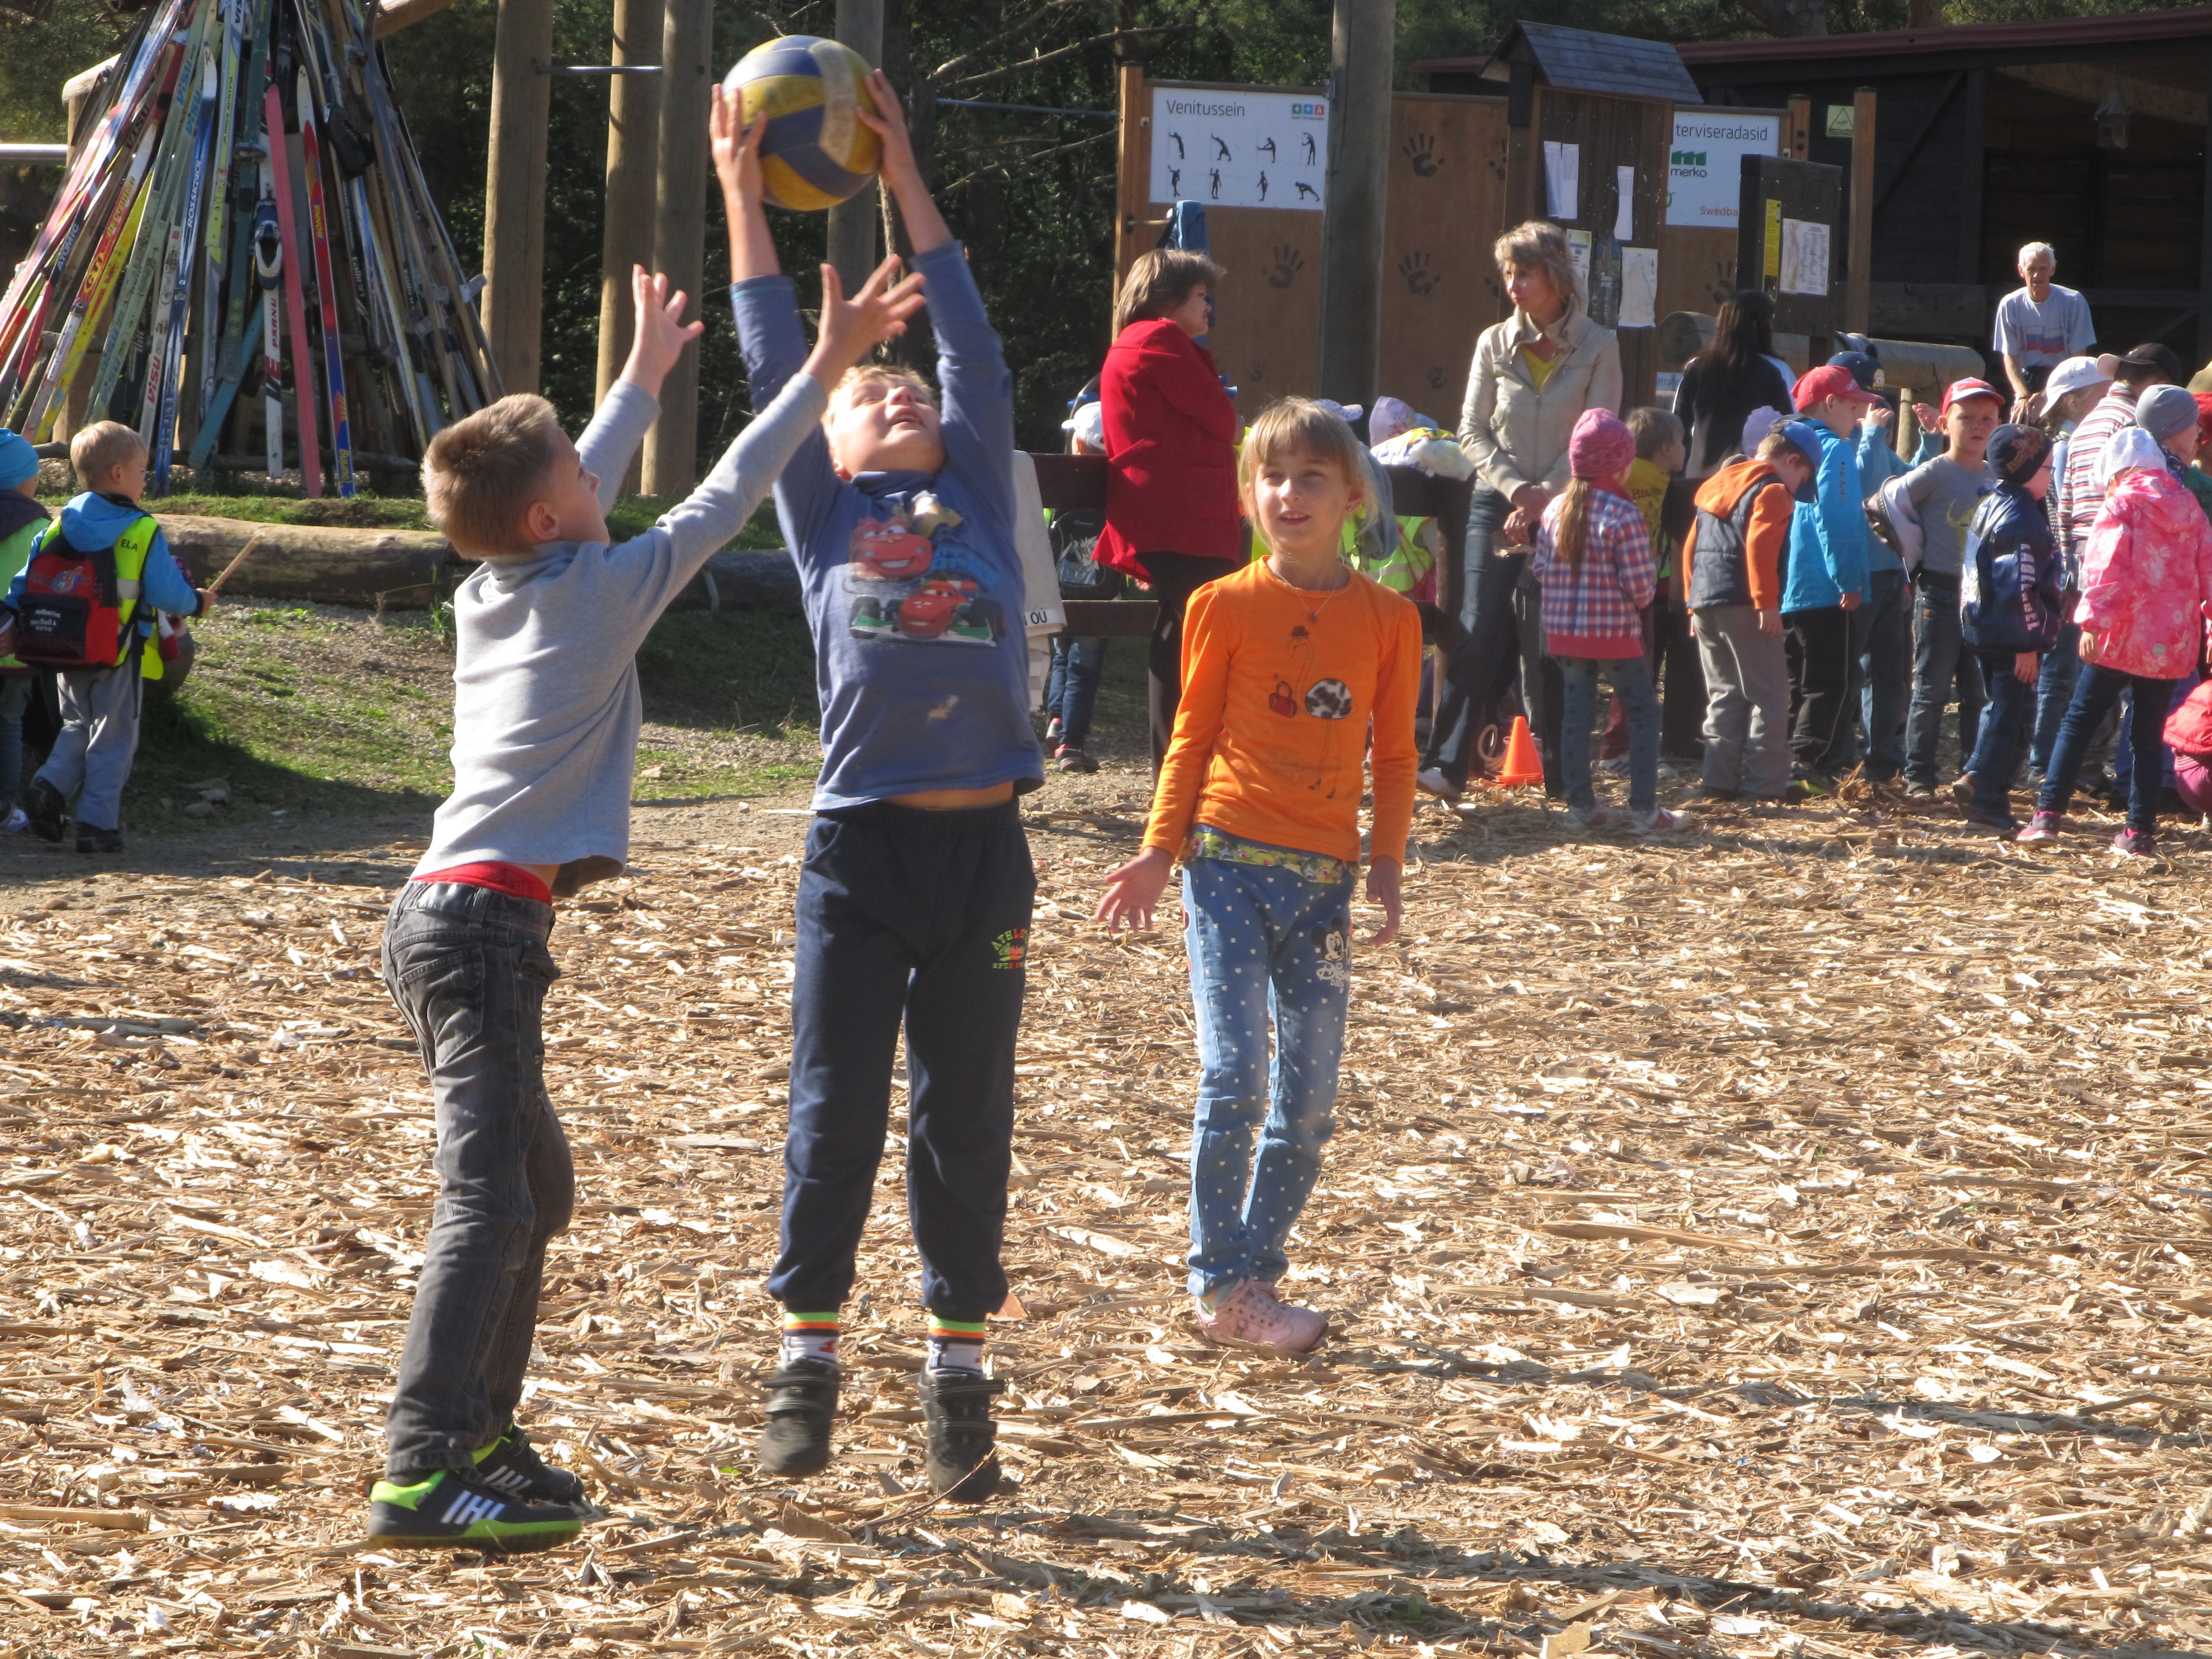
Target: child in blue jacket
1826 581
91 758
914 900
2010 614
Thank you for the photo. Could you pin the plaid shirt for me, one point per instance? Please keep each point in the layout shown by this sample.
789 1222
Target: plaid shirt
1597 611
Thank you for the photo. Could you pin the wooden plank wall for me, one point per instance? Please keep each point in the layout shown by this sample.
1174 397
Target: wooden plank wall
1266 332
1447 205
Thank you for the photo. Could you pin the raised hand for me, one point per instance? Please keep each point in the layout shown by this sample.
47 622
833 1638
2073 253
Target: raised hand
661 334
888 122
850 327
736 147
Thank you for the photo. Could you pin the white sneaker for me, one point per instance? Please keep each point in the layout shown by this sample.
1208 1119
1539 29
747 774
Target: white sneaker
1252 1315
1433 782
1659 821
18 822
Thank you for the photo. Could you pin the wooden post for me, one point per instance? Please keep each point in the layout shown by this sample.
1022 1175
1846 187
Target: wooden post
515 189
679 230
2204 245
633 141
1362 41
1858 294
852 224
1801 128
1133 182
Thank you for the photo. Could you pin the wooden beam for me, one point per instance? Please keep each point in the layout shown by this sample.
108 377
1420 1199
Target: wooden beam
1362 41
633 142
514 190
1858 295
399 14
1134 169
679 230
2087 83
1801 128
852 224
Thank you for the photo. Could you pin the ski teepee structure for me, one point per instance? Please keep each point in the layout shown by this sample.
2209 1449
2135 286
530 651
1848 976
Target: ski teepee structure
247 214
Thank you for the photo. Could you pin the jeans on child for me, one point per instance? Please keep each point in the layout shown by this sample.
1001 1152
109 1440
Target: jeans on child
2094 694
1264 939
99 737
1940 661
15 698
469 968
1630 676
1881 629
1071 691
2054 688
2003 735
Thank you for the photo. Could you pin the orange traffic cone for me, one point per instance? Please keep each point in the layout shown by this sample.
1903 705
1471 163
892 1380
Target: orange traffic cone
1522 767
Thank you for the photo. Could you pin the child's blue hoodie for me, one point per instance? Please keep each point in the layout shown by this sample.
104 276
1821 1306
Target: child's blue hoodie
92 522
1828 535
912 582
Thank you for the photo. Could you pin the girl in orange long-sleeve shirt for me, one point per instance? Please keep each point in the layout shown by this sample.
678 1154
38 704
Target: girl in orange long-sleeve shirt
1290 668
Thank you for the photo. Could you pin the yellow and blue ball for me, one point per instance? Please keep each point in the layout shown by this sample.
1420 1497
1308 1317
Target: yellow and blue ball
816 152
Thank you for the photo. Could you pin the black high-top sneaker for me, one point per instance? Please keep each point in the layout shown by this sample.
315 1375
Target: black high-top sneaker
963 1462
511 1465
802 1404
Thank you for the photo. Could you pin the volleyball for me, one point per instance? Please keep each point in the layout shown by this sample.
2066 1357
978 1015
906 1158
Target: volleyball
816 153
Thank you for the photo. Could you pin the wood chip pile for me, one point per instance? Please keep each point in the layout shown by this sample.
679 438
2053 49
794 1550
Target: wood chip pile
1778 1243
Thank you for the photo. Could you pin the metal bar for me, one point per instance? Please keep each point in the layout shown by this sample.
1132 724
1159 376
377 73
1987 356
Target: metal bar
33 155
600 69
1032 109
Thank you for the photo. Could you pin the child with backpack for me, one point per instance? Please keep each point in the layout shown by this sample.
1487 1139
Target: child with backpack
85 606
23 520
2010 613
1732 572
1287 666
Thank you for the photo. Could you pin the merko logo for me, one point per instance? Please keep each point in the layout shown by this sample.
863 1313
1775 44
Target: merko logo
1689 158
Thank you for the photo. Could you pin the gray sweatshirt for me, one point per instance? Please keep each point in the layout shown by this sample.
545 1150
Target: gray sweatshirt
546 707
1945 492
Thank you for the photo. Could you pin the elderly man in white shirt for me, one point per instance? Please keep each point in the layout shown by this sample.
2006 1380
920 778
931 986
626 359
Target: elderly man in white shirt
2039 325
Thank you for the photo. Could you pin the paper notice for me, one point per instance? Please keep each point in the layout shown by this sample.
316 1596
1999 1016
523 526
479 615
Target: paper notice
1639 287
1804 257
1623 216
1578 249
1563 177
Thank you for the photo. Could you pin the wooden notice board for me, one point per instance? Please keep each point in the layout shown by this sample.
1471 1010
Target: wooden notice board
1446 207
1789 243
1606 134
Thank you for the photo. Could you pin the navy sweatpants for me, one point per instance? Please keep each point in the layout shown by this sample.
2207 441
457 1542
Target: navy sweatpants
922 918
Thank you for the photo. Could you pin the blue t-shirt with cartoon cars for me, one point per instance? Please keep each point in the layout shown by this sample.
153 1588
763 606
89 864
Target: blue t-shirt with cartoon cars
913 581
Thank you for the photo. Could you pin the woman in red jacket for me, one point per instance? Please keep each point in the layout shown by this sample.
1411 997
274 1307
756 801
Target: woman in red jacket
1171 517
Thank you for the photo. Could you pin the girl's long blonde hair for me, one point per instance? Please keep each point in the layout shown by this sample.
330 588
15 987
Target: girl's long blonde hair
1572 534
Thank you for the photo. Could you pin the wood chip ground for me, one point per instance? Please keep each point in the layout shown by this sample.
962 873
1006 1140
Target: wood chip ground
1780 1241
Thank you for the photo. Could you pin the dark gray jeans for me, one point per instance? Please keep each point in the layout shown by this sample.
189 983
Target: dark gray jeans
469 968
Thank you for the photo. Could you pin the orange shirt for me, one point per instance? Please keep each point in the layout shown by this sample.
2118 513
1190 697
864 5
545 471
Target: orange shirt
1278 687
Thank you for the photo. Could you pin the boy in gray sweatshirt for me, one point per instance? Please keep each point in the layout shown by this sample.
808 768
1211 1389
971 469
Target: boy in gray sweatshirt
546 712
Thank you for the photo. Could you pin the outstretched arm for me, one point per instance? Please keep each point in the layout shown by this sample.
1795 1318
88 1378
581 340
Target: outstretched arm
737 164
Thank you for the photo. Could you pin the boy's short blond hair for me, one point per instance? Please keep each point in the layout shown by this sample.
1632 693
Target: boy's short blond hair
1653 430
1299 426
860 373
103 445
1779 445
480 474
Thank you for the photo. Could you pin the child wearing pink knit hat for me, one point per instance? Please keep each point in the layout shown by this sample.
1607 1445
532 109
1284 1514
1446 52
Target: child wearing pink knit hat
1594 560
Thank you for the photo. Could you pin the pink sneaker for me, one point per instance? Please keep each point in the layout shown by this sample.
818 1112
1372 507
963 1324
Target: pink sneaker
1251 1315
2136 843
2043 830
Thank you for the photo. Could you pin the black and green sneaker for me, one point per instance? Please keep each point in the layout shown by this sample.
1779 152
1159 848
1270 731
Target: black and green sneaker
454 1509
511 1465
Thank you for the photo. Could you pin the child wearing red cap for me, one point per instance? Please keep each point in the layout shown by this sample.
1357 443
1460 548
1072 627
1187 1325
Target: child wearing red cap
1594 560
1945 492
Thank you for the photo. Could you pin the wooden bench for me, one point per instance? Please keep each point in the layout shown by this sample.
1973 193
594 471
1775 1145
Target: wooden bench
1077 483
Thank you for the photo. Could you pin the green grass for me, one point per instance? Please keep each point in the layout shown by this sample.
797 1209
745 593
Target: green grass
368 511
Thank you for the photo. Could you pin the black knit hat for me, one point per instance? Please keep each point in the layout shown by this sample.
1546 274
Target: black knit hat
2017 452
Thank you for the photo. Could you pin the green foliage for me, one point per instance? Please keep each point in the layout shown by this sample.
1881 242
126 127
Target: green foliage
37 58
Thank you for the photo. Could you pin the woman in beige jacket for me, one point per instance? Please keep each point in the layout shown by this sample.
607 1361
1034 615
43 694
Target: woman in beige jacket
1533 375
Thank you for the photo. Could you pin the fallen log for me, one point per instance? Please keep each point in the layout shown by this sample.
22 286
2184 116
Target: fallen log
407 569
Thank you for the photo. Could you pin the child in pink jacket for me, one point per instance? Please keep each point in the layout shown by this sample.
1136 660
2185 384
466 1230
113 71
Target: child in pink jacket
2146 594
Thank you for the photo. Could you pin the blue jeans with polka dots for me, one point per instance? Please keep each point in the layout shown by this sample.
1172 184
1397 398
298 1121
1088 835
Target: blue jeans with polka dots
1265 942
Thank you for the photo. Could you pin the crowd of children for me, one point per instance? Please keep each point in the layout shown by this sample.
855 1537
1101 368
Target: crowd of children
1285 693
